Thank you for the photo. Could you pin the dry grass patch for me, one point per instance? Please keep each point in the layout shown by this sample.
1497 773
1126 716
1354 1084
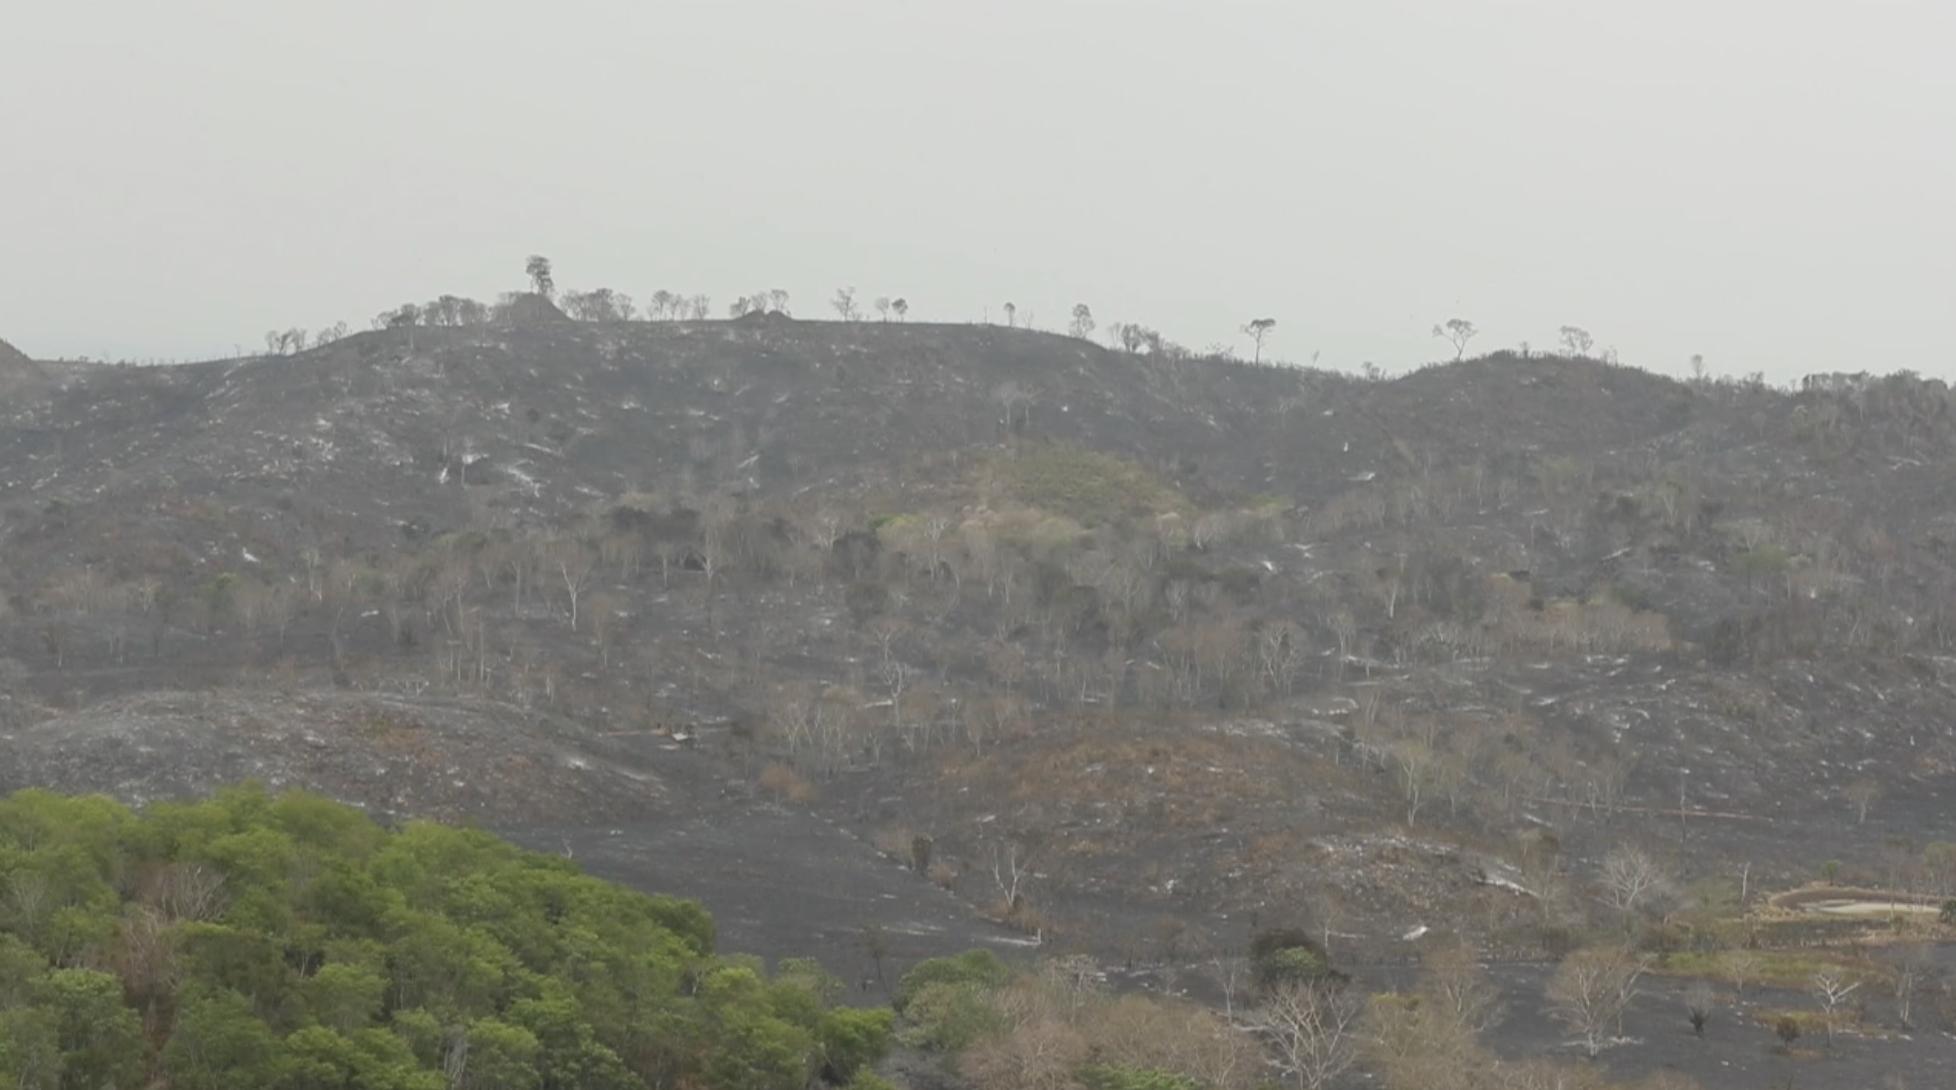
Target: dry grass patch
787 785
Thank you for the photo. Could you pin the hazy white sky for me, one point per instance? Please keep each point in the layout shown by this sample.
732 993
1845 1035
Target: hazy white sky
1769 182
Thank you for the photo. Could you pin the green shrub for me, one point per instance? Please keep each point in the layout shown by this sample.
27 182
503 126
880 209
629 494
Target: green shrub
1286 955
851 1040
865 1079
1122 1077
948 1017
1087 486
975 967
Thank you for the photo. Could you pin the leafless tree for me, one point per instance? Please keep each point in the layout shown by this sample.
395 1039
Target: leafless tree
1740 966
1280 650
1909 963
1231 971
1831 987
1014 397
1417 766
1576 341
1630 876
902 308
1414 1044
1456 332
572 561
607 620
1313 1030
1863 793
1454 983
1038 1054
1011 868
845 304
882 305
598 305
795 712
1590 991
186 891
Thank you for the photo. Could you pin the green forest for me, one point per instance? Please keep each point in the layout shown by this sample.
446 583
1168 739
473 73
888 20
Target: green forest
287 942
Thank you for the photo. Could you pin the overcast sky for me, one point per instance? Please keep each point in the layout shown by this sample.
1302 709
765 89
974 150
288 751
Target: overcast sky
1771 183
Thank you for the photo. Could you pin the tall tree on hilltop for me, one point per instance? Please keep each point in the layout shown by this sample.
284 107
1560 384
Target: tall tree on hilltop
1456 332
538 270
1258 330
1082 326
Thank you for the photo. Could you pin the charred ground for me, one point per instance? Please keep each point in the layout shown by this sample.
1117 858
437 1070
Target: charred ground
1164 646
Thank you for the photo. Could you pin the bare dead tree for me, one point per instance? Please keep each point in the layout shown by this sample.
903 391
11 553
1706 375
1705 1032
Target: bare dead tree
1590 991
1909 963
1454 983
1417 768
1011 869
1740 966
1231 971
1630 875
572 561
1831 987
1313 1030
1863 793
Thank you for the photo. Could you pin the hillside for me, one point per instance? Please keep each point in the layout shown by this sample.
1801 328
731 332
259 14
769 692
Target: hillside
1163 646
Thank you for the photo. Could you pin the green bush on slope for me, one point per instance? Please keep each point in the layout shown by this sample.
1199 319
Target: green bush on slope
288 942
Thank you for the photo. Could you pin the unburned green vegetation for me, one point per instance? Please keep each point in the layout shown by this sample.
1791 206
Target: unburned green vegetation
289 942
1087 486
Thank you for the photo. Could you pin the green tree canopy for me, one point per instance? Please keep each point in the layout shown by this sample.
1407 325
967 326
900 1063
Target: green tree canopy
253 940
